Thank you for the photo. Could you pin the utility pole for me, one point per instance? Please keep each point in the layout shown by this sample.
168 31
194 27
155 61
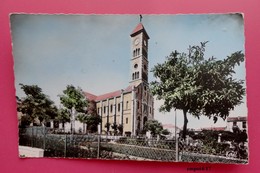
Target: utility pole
176 139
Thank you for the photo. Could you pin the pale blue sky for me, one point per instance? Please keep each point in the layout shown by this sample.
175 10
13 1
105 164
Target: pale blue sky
94 51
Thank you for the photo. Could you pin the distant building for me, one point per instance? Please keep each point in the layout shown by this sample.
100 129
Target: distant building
133 105
237 122
214 128
171 128
232 123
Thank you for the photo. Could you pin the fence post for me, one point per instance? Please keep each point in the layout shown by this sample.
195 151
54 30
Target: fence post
176 139
32 138
98 149
44 138
65 146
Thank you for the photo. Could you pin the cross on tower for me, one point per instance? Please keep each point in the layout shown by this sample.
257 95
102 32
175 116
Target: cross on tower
141 17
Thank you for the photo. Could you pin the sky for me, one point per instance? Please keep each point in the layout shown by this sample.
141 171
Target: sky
94 51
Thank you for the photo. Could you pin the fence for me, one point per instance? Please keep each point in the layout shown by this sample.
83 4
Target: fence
114 147
94 146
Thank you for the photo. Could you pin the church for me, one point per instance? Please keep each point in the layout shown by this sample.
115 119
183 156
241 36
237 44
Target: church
132 106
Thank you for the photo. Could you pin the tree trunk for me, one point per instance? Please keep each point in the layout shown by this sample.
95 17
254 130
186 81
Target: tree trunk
184 132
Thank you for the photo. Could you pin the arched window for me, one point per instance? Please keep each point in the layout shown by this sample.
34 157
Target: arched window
137 75
145 119
111 108
133 76
134 53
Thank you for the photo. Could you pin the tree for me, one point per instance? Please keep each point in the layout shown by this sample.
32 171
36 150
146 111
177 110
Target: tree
165 132
93 119
35 105
114 126
92 122
63 117
120 129
107 126
75 102
199 86
83 119
153 126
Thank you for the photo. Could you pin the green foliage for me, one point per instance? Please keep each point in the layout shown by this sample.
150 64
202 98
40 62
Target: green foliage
153 126
74 97
35 105
107 125
63 116
165 132
120 129
199 86
92 118
92 122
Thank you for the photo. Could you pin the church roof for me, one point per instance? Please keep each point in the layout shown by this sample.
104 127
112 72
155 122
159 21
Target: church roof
107 95
138 29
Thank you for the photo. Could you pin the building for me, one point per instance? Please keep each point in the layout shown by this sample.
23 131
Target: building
172 128
233 123
132 106
237 123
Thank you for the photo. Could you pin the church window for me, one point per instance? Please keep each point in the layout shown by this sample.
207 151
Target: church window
134 53
136 65
133 76
138 51
144 121
111 108
126 120
104 109
118 107
137 76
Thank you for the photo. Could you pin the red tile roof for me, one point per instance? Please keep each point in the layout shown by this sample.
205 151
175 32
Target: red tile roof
90 96
232 119
139 28
107 95
169 126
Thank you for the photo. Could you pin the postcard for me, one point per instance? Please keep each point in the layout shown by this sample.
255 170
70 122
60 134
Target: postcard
131 87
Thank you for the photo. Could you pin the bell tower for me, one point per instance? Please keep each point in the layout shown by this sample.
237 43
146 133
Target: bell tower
139 59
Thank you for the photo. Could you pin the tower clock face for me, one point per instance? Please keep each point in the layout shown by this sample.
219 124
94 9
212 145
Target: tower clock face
137 41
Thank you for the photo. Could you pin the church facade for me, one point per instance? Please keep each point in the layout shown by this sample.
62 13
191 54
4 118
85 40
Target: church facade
133 106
